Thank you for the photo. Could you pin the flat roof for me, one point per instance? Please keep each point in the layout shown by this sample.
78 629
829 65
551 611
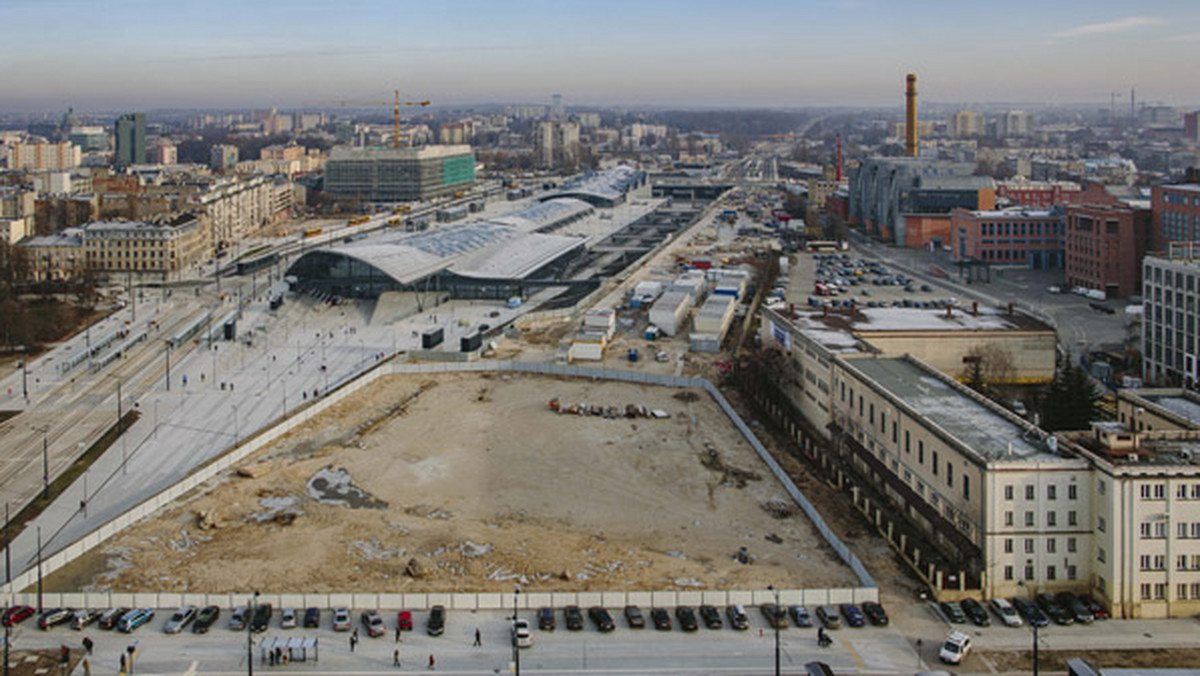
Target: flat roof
982 430
1184 408
895 319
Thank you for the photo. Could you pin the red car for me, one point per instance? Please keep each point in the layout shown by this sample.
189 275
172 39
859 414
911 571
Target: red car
404 621
15 614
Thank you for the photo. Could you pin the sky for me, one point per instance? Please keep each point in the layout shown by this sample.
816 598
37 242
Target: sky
99 55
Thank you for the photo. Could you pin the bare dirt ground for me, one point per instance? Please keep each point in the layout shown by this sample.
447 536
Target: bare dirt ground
1056 660
470 483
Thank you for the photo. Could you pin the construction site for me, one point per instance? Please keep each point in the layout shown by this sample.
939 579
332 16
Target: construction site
474 482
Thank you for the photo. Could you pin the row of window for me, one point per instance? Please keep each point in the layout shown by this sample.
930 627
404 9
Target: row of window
1051 545
1051 518
1051 573
1051 492
1039 228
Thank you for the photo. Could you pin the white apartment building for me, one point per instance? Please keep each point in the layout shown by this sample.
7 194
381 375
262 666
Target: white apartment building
1170 330
44 156
239 207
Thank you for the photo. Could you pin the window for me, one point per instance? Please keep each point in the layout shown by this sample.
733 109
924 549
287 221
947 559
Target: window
1029 492
1181 530
1195 529
950 474
1101 486
935 463
1051 545
1160 562
920 452
1160 491
1100 524
1049 572
1071 545
1071 572
907 442
1160 529
966 487
1072 518
1008 573
1145 591
1029 572
1100 554
1008 518
1028 519
1029 546
1181 562
896 433
1181 591
1144 562
1195 590
1052 518
1160 591
1008 492
1008 546
871 417
1051 492
1145 530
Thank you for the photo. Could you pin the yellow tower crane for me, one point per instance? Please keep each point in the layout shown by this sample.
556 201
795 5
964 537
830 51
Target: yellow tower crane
396 104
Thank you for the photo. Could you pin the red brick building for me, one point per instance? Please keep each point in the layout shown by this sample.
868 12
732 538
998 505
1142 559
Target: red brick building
1104 246
1176 214
1030 238
1039 194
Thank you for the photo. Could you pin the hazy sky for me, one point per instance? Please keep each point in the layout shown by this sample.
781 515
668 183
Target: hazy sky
139 54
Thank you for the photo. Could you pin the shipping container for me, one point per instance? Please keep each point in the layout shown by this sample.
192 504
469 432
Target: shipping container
715 316
704 342
670 311
432 338
586 351
471 342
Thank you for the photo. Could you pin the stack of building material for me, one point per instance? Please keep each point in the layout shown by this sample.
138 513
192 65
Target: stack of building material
670 311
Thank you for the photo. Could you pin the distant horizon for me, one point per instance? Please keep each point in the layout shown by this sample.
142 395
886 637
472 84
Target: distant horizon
660 54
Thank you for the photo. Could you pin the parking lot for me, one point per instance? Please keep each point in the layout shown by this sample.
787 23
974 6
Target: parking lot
623 650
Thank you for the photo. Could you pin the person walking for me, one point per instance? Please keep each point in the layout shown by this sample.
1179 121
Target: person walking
353 641
397 632
396 657
432 664
478 638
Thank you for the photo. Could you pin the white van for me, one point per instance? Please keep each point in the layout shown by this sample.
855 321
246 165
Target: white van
956 647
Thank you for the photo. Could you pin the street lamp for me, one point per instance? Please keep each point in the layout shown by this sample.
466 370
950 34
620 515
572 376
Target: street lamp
775 623
1032 625
516 647
251 607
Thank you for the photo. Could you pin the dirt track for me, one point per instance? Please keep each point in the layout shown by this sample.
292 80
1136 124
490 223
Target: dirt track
471 483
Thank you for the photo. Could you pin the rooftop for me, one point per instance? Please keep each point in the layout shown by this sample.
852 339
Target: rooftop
985 430
866 320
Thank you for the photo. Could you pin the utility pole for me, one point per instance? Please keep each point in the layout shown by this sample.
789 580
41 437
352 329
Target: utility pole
775 623
7 552
39 567
45 463
168 367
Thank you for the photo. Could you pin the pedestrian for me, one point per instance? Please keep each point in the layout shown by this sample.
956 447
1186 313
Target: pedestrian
87 644
271 658
122 663
397 632
396 657
353 641
431 662
478 638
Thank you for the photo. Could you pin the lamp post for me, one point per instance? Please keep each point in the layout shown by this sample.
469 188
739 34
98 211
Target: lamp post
251 607
1032 625
516 648
44 429
775 623
39 567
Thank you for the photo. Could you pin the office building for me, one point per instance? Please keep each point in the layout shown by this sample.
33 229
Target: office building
1104 247
56 256
1175 213
1171 302
141 247
1037 194
399 174
1011 238
130 131
89 138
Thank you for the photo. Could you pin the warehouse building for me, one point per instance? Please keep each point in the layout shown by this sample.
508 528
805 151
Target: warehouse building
399 174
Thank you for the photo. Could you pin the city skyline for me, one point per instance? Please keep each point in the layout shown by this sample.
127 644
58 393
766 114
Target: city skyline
134 54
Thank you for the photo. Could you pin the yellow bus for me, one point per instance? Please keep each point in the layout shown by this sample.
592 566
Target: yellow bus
312 232
402 209
359 220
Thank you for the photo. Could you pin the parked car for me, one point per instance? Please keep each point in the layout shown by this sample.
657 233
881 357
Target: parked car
737 617
1006 612
1099 612
373 624
237 621
404 620
84 617
633 617
1071 604
54 616
976 612
687 618
956 647
828 615
134 619
341 619
546 620
801 616
953 612
436 624
1030 612
775 615
205 618
287 618
573 617
521 636
711 617
1055 612
875 613
262 618
312 618
661 619
179 619
16 614
601 618
854 616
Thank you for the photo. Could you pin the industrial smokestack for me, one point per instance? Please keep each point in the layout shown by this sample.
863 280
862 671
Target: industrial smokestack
839 158
910 122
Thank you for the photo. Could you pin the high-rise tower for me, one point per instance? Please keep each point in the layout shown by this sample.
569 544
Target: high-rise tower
130 131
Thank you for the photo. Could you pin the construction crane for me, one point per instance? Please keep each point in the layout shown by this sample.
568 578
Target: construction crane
396 104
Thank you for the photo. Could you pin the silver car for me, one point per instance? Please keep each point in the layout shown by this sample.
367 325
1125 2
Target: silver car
180 619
